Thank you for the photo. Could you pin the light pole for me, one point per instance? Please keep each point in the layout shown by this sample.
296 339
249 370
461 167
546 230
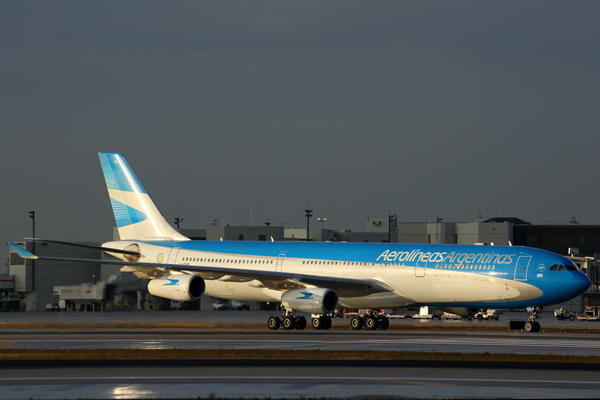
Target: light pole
322 221
308 215
392 221
32 216
178 221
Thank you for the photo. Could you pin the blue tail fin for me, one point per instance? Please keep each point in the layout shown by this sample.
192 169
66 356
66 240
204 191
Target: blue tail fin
135 213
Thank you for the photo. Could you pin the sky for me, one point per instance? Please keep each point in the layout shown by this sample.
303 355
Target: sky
243 111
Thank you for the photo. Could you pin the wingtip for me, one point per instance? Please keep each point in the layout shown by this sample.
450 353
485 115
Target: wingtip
21 251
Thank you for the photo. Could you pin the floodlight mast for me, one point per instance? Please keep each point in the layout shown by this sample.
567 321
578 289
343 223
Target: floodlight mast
308 215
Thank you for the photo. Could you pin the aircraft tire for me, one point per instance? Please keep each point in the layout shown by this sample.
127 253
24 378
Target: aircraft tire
327 322
288 322
356 323
273 323
300 323
317 323
528 326
383 323
571 318
371 323
536 326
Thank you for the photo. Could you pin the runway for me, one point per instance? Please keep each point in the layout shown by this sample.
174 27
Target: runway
517 343
289 378
256 381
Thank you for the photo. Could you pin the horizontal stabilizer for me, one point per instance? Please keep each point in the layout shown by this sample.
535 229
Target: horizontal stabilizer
21 251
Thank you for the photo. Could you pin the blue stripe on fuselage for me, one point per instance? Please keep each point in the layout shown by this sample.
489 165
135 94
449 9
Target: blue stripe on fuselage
366 252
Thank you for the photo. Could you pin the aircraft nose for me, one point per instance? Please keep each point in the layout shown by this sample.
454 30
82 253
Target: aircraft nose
581 283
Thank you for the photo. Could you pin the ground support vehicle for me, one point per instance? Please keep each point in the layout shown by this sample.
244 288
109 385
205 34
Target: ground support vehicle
450 316
487 314
564 315
220 306
590 314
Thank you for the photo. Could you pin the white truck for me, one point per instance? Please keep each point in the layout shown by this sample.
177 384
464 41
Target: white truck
487 314
564 315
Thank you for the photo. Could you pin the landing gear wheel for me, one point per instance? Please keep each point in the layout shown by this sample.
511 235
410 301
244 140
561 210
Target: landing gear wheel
288 322
273 323
383 323
536 326
327 322
317 323
371 323
356 323
571 318
528 326
300 323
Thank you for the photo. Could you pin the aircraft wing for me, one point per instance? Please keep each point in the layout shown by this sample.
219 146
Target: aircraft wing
345 287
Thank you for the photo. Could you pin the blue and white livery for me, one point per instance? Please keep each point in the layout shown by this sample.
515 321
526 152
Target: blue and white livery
320 277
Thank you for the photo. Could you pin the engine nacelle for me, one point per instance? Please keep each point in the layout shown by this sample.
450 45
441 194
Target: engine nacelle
462 311
185 287
312 301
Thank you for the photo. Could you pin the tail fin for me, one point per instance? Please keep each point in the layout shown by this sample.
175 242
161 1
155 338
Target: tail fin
135 213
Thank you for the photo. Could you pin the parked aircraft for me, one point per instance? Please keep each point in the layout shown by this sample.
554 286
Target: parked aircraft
320 277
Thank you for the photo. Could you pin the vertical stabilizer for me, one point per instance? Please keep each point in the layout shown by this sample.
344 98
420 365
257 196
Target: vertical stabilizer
135 213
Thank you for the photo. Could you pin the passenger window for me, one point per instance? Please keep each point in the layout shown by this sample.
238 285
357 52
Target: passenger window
561 267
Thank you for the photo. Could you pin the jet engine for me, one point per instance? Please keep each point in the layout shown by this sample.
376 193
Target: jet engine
312 301
185 287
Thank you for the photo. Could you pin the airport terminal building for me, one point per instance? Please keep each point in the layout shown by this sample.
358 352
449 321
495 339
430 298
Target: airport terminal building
34 284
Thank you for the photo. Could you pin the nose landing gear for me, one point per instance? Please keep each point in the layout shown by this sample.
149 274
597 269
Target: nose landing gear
531 325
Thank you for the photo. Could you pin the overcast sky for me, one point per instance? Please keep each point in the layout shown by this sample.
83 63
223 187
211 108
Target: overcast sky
423 108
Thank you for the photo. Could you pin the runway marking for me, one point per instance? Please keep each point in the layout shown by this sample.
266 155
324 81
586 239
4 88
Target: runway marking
327 379
495 389
6 344
554 343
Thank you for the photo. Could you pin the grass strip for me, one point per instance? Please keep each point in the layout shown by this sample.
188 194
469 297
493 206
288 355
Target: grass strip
474 327
61 354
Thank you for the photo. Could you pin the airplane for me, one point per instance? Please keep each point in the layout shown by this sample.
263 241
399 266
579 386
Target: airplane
320 278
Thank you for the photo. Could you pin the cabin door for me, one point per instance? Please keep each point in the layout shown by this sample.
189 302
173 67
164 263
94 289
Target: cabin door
279 264
420 268
521 268
173 255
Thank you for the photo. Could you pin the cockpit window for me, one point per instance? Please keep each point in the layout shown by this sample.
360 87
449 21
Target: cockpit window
561 267
571 267
554 267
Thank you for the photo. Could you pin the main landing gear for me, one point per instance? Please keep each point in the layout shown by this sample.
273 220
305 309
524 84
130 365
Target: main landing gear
321 322
370 322
289 321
